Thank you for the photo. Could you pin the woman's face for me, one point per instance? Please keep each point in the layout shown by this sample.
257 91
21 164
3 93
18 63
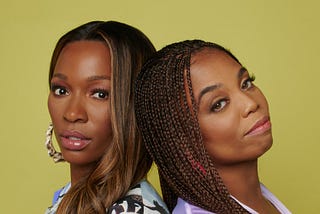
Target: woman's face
79 102
233 113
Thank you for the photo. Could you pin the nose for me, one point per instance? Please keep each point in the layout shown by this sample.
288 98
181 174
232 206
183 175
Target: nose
75 111
250 105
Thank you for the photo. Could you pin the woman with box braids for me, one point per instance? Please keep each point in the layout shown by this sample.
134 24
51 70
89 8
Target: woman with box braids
188 100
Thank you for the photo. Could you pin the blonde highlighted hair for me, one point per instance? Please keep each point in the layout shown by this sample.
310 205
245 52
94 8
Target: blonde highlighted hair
126 161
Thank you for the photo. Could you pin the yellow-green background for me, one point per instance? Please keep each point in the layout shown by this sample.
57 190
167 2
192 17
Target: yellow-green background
276 39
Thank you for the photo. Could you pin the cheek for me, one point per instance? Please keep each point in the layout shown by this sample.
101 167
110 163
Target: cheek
106 128
219 128
220 137
104 136
262 100
53 109
101 119
266 103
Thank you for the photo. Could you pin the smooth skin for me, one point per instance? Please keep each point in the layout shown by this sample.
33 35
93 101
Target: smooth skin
79 104
234 122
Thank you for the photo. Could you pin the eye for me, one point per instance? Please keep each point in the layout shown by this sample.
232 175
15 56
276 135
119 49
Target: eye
59 90
219 105
100 94
248 83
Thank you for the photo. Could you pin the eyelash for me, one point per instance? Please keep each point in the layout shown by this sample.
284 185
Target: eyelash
217 106
56 89
100 90
250 79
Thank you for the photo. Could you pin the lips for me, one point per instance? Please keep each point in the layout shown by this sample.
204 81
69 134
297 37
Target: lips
260 127
73 140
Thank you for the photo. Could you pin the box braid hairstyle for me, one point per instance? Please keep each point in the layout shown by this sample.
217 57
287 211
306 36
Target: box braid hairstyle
166 112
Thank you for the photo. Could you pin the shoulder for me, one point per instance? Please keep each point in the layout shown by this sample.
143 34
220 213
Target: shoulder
142 198
57 197
274 200
185 207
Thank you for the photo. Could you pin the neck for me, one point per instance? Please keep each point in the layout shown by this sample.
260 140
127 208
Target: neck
78 172
241 179
242 182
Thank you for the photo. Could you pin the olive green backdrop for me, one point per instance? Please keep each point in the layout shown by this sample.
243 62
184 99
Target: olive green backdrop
277 40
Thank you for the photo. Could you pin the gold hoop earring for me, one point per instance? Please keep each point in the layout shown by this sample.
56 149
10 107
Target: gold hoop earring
57 156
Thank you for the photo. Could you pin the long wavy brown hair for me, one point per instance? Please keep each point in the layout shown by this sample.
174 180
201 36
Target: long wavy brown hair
166 112
126 161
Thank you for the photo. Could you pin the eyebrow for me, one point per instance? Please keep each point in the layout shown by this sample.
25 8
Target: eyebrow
102 77
211 88
60 76
208 89
91 78
241 72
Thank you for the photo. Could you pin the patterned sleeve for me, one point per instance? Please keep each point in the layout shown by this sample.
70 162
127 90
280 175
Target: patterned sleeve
128 204
136 202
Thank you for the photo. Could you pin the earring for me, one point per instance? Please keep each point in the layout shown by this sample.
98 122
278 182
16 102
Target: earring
57 156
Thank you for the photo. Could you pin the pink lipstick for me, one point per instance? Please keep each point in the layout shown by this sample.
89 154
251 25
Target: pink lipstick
73 140
260 127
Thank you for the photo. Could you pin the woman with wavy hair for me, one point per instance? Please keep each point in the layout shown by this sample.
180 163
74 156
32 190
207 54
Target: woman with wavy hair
205 124
92 110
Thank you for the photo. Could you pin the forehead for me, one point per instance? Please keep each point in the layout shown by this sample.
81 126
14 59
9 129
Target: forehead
212 67
212 63
212 58
85 48
84 56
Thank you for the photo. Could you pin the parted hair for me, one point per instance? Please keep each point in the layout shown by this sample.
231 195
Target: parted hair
166 112
126 160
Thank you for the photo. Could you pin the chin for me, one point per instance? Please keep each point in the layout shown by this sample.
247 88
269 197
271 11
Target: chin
76 158
267 146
